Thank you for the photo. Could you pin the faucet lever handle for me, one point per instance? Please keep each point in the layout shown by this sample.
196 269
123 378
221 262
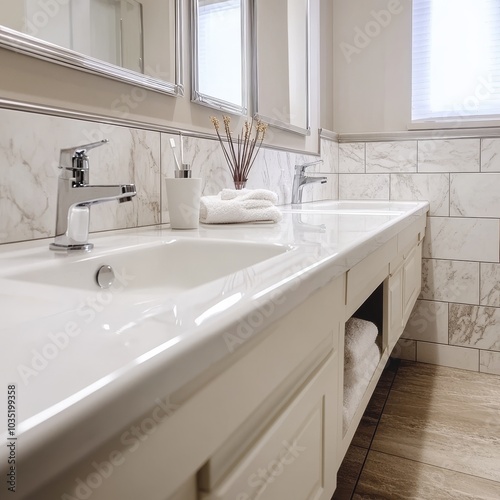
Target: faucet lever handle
301 168
76 157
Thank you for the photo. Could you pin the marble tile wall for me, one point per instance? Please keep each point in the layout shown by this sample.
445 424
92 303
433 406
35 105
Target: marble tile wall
29 156
456 321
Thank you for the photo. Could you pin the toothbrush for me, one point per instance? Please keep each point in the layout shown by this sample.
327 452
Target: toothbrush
172 145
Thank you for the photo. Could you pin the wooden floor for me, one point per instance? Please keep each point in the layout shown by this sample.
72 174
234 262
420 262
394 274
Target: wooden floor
429 432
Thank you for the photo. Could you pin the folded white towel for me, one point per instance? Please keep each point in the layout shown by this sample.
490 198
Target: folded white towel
213 210
359 337
249 194
364 369
352 397
356 380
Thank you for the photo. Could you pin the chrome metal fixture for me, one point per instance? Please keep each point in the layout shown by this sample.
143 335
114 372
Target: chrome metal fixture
301 179
75 195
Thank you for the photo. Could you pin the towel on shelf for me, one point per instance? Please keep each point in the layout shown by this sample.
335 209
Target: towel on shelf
356 379
352 397
213 210
360 335
249 194
365 369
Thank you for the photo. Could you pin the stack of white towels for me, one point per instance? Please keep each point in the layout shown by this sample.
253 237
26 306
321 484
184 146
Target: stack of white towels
361 357
240 205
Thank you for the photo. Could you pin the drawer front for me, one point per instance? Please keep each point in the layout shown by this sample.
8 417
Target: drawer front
411 235
295 457
365 276
412 280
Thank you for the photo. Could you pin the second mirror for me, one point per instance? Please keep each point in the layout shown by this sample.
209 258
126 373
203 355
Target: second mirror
219 54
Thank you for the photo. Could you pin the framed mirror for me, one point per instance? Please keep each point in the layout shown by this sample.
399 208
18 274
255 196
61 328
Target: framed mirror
219 48
135 41
281 63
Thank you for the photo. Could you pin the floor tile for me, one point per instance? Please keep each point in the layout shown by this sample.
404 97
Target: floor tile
349 472
443 431
390 477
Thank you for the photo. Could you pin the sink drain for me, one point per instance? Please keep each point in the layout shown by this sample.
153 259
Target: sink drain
105 276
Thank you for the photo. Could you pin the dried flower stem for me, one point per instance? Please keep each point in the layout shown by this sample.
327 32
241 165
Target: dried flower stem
241 157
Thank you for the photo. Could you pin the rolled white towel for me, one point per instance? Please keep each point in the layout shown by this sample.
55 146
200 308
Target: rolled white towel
365 369
249 194
213 210
359 337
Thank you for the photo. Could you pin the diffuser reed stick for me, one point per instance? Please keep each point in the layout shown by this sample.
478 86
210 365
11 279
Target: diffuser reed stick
240 153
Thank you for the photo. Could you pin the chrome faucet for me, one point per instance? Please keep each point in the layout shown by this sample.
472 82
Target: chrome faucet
301 179
75 195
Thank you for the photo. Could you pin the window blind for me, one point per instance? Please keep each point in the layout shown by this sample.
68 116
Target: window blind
455 60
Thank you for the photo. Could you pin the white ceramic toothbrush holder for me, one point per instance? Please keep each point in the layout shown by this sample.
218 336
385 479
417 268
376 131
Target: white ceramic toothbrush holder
183 198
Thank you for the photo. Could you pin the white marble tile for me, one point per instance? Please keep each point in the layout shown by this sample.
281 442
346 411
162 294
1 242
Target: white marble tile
352 158
462 239
475 195
434 188
489 362
330 155
453 155
489 293
474 326
405 349
30 145
450 281
448 355
131 156
395 156
318 191
490 155
428 322
364 187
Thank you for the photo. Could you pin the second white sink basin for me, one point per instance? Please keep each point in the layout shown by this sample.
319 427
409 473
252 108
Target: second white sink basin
167 265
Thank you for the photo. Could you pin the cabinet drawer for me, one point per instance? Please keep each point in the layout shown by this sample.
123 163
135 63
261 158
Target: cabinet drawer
412 280
411 235
365 276
295 456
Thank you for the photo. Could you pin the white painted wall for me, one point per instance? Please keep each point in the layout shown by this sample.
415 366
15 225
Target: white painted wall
12 15
372 65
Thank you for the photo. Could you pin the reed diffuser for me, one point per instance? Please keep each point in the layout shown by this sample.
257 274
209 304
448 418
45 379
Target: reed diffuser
240 153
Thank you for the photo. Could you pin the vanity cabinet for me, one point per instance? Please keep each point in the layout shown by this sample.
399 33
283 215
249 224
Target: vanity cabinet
266 421
296 455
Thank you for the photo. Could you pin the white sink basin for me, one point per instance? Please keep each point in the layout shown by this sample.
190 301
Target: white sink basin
167 265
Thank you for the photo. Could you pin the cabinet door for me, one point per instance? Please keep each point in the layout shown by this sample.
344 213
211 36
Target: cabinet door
295 457
395 288
412 280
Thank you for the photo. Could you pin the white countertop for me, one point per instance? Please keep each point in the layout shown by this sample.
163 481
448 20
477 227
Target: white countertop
120 358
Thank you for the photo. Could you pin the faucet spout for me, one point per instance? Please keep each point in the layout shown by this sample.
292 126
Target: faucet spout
300 179
95 194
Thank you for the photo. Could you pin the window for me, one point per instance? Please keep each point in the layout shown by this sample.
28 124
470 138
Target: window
456 60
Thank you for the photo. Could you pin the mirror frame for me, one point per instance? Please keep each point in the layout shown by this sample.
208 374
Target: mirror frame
205 99
28 45
275 122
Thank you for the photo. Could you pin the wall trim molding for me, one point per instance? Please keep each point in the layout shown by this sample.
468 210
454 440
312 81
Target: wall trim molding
15 105
415 135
